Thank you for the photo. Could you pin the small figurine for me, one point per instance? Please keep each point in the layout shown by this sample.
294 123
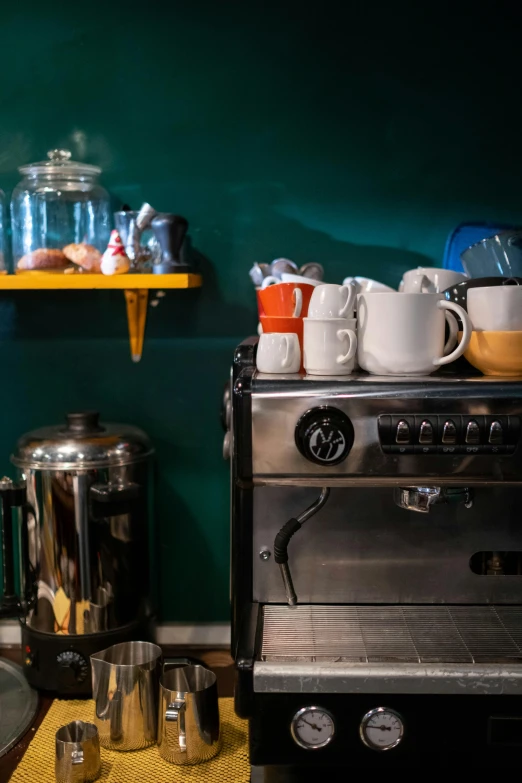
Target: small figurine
115 261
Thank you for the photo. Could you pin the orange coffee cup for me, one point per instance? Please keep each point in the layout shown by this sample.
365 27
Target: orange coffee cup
281 299
274 323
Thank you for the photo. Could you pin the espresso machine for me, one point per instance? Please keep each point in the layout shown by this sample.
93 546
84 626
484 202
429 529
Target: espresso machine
376 568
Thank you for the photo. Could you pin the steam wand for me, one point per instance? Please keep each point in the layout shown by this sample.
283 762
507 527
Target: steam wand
282 540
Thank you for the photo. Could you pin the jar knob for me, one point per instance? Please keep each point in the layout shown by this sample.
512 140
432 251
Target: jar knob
59 155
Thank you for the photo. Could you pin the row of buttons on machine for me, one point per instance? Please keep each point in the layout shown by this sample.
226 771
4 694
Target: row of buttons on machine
449 434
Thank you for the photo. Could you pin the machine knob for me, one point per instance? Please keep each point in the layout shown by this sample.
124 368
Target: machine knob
449 432
324 436
402 433
426 433
473 432
73 668
496 434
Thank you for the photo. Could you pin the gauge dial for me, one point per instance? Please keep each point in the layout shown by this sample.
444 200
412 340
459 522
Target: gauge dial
73 666
381 729
312 728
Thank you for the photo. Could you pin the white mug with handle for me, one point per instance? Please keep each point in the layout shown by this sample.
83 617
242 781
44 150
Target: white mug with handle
329 346
403 334
333 301
429 280
278 352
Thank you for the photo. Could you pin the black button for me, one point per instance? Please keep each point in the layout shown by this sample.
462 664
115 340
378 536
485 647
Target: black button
496 430
402 427
473 432
403 434
449 430
419 422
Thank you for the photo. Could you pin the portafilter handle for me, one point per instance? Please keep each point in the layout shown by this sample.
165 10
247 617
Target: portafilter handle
421 499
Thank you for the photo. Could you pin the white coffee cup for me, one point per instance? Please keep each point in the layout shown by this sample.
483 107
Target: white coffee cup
332 301
367 285
329 346
429 280
278 352
495 308
403 334
288 278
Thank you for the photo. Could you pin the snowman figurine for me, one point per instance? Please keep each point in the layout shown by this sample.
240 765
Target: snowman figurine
114 260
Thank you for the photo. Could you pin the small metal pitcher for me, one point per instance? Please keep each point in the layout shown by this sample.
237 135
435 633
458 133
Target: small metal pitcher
188 722
125 682
77 757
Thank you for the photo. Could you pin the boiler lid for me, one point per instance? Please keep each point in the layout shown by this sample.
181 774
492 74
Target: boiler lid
83 442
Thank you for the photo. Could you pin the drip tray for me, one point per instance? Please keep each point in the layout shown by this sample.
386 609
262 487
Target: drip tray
392 634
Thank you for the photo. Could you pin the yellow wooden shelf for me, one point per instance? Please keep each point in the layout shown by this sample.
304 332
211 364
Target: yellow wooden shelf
31 281
135 287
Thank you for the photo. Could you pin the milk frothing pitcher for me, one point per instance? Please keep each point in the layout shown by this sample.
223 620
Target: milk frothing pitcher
125 684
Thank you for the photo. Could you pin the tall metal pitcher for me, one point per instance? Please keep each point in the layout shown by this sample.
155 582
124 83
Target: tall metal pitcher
125 684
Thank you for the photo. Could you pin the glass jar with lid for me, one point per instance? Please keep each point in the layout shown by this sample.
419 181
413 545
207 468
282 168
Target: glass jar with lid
60 216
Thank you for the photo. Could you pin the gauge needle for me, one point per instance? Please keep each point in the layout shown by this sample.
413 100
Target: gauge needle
381 728
313 726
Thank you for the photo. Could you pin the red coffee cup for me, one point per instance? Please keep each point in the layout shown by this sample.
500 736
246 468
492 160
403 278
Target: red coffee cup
274 323
282 300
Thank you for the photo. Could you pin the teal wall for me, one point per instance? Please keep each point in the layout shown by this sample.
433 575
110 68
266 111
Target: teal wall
355 138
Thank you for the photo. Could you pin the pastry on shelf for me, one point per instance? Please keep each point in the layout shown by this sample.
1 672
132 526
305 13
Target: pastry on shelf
42 259
85 256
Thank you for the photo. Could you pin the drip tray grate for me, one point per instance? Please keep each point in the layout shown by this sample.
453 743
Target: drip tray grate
379 634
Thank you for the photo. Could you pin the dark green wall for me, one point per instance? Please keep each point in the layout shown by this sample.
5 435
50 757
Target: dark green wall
355 138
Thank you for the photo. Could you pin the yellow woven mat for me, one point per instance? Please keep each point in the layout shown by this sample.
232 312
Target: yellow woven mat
230 766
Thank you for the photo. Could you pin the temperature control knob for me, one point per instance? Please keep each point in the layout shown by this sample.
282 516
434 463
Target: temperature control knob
73 668
324 436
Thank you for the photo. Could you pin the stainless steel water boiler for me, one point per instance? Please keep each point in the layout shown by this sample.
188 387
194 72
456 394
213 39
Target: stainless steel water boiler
84 546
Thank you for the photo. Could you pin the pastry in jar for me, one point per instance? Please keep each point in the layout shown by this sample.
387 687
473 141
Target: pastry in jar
43 258
84 255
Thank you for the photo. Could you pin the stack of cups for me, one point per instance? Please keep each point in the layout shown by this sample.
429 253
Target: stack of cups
282 306
330 341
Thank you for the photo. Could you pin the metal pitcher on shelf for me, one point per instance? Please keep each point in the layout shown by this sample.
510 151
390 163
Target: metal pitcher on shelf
125 685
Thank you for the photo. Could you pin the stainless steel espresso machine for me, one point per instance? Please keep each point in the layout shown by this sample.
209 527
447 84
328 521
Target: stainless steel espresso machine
376 568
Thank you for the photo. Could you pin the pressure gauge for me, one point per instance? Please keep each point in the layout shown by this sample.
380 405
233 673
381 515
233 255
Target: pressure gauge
381 729
312 728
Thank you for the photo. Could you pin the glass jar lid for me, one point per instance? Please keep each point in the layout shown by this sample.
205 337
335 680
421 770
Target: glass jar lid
83 443
60 163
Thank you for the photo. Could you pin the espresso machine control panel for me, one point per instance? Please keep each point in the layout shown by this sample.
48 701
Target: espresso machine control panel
378 430
449 433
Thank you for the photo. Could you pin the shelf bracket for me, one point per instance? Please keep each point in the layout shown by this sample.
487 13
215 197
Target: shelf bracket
137 303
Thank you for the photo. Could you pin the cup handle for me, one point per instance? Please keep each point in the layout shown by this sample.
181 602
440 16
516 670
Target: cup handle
286 360
467 330
297 296
352 348
270 280
420 284
175 726
453 333
350 299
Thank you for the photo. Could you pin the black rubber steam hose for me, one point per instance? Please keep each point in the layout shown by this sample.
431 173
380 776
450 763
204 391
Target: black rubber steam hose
282 540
